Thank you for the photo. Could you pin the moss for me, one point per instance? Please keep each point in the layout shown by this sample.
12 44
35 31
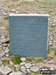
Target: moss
16 59
5 62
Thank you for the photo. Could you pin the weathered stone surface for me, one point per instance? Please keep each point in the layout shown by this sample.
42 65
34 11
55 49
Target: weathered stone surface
22 63
34 68
11 63
5 70
23 59
23 69
28 65
28 34
28 71
16 73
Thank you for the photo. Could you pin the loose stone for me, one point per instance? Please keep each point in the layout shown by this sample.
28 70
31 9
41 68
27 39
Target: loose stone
34 68
28 65
23 69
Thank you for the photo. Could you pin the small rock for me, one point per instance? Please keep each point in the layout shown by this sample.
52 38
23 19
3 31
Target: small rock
6 51
17 67
7 55
2 28
34 68
11 62
23 69
23 59
0 62
28 65
51 68
13 10
28 71
0 47
22 63
3 38
16 73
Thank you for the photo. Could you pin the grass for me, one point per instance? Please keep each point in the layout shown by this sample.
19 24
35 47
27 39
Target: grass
16 59
40 59
28 58
7 27
50 52
5 62
49 11
27 3
6 18
37 59
11 54
49 1
1 24
50 28
37 73
8 46
12 66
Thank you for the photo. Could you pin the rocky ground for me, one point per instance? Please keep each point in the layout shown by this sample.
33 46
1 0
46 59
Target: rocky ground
26 65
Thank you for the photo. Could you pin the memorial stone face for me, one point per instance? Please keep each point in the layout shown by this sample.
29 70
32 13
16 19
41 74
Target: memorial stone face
28 34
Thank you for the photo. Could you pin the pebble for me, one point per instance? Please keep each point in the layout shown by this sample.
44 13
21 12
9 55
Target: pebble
17 67
13 10
28 65
23 59
22 63
23 69
11 62
16 73
0 62
28 71
34 68
51 68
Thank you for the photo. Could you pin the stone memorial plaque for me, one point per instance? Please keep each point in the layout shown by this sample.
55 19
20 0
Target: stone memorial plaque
28 34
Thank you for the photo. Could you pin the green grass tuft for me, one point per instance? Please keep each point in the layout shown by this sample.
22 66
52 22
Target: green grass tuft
5 62
16 59
50 28
6 18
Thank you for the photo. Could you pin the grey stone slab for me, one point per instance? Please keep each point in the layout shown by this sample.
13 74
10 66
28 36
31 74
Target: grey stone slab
28 35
